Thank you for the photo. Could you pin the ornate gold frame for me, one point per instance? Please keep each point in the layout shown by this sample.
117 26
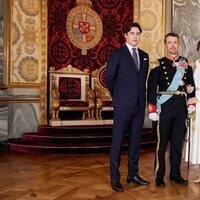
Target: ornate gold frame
4 84
10 83
44 46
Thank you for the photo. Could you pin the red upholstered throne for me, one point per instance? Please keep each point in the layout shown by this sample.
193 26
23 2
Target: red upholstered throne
100 88
68 91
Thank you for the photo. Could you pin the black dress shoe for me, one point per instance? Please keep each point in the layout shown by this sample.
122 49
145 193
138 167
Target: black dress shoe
179 180
117 186
160 182
138 180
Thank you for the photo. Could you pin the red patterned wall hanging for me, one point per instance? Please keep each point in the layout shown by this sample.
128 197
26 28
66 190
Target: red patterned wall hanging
114 15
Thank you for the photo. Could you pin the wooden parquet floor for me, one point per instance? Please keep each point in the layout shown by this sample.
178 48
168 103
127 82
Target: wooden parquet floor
83 177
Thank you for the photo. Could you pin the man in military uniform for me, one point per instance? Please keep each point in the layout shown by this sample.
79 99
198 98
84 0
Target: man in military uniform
167 95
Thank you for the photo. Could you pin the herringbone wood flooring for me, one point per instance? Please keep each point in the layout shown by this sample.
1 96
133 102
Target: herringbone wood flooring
83 177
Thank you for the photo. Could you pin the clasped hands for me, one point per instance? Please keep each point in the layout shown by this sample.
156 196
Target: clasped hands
191 101
191 104
190 107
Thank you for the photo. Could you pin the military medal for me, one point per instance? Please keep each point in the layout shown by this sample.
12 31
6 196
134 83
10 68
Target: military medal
174 64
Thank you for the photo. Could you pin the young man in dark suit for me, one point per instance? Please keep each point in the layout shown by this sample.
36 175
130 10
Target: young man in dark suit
126 76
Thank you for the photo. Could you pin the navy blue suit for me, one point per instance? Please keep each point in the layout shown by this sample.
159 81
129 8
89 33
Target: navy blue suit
127 86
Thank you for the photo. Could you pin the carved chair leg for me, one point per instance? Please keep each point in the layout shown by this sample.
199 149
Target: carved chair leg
57 114
88 114
97 115
53 114
92 117
100 111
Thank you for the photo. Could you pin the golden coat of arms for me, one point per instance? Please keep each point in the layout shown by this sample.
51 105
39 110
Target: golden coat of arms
84 26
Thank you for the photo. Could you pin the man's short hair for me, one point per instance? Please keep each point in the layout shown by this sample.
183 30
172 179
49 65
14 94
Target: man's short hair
172 35
132 25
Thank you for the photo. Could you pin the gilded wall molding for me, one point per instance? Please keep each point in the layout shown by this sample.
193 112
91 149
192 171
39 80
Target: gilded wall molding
4 51
43 55
136 11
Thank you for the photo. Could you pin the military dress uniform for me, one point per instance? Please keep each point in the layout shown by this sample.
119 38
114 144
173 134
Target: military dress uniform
167 96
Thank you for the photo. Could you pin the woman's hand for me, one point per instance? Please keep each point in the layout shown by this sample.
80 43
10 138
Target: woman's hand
192 100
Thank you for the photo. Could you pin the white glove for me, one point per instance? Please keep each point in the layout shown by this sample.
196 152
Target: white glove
191 108
153 116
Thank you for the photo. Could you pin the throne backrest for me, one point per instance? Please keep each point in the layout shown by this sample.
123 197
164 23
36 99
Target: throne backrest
71 83
98 83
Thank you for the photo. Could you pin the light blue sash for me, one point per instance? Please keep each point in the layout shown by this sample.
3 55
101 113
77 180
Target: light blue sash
173 87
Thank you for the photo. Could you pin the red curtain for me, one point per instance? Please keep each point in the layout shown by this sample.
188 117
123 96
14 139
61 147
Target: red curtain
115 14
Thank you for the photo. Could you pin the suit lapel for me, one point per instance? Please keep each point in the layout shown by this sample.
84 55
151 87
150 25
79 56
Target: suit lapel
141 58
128 55
141 55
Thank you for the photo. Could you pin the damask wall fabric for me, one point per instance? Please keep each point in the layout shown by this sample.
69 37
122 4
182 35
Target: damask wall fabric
114 15
153 22
25 40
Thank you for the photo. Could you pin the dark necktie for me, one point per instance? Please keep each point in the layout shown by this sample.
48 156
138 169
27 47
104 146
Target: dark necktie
135 58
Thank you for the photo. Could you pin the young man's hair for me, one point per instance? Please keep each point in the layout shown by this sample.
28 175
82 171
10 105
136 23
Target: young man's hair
198 46
172 35
132 25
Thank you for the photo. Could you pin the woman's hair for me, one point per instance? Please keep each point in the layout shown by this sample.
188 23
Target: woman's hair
198 46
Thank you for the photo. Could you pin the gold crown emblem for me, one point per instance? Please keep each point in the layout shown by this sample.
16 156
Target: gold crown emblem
87 3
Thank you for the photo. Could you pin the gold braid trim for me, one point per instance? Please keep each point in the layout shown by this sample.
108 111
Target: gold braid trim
172 92
158 145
